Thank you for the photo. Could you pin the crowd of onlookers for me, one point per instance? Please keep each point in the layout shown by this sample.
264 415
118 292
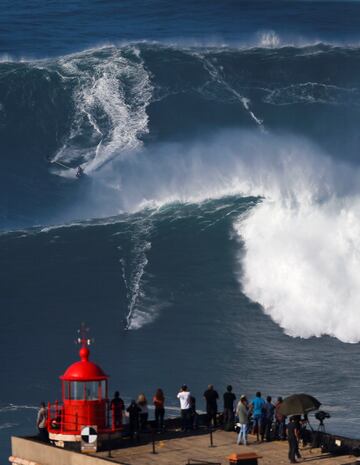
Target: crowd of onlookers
259 416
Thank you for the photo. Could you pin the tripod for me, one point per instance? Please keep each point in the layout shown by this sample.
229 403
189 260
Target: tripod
318 435
321 427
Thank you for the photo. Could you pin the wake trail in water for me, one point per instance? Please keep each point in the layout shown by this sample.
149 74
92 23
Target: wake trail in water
216 75
132 270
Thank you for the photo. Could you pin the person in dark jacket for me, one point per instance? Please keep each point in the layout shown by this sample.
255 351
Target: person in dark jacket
269 410
229 399
117 407
211 397
193 413
134 412
293 438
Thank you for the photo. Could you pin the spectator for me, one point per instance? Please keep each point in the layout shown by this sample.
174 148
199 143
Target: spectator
134 412
144 413
117 407
257 405
193 413
243 415
229 398
184 398
159 402
269 410
280 426
211 397
41 421
293 438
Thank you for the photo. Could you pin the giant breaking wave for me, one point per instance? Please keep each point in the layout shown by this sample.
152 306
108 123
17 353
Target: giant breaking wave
148 124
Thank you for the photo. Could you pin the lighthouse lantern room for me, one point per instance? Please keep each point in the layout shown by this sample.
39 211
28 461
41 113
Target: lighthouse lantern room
84 403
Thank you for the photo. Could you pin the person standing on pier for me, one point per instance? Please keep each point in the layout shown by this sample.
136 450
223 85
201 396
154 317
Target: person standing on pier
229 399
185 405
280 425
133 411
269 410
257 405
144 413
159 403
211 397
193 413
243 414
117 407
293 439
41 423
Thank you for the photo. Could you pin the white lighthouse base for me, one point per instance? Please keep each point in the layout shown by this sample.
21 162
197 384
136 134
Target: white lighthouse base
63 440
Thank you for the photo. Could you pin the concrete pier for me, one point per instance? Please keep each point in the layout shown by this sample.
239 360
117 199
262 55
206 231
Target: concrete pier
175 449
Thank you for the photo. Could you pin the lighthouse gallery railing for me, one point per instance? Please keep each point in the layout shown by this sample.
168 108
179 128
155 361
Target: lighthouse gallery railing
59 421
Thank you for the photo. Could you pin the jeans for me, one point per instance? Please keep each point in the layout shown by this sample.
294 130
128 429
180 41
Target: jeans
258 425
280 431
293 450
266 429
242 434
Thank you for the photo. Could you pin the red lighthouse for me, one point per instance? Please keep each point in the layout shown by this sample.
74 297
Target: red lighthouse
85 402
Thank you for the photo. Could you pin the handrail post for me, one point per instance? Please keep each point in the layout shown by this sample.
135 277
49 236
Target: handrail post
211 436
153 440
48 416
113 417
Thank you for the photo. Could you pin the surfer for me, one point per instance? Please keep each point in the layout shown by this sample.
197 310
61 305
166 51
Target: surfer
79 172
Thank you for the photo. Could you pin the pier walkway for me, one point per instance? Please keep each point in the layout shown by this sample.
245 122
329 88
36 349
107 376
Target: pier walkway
188 449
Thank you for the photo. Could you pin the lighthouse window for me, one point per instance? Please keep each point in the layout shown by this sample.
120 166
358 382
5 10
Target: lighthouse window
77 390
92 390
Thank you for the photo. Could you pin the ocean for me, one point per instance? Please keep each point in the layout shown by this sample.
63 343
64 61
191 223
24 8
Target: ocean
215 234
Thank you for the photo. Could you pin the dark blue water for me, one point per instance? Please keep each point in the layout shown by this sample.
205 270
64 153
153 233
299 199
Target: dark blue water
53 28
215 234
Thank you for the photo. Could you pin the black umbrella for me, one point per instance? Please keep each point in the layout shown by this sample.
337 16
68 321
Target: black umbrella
298 404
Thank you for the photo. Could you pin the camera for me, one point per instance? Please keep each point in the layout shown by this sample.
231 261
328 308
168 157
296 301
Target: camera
321 415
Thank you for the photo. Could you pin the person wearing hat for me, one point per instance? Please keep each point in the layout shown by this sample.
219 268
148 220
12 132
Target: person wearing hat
242 412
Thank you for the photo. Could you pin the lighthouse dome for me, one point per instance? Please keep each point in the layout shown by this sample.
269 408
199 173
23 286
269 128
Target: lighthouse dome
84 370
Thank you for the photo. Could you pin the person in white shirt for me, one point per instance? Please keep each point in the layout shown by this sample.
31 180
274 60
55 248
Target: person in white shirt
185 405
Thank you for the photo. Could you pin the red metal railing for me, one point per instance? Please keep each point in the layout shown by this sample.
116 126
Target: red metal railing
62 421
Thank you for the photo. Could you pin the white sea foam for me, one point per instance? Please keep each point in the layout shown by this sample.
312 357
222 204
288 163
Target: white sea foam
110 99
302 264
269 39
15 407
302 246
8 425
312 92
